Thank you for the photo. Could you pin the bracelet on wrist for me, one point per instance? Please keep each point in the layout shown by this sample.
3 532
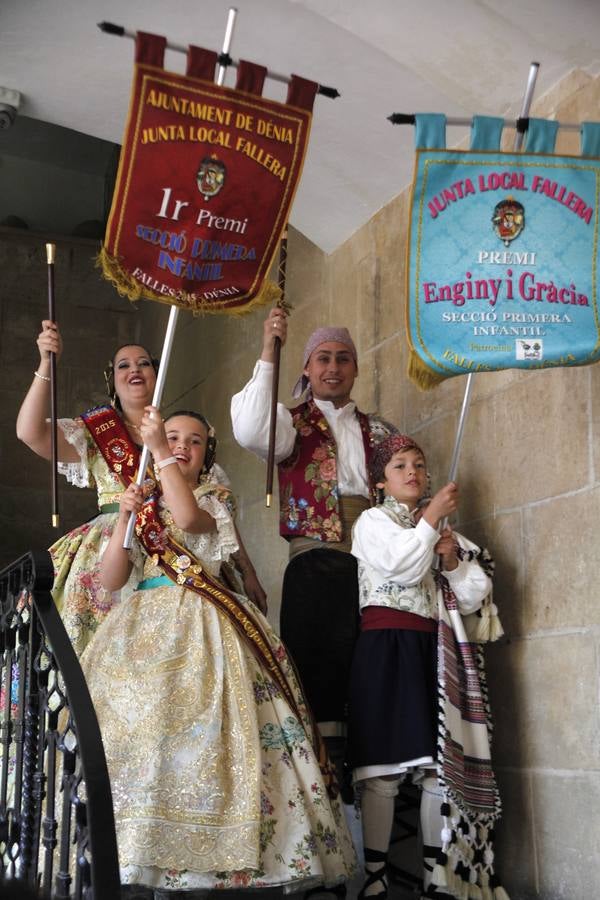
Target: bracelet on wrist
166 462
41 377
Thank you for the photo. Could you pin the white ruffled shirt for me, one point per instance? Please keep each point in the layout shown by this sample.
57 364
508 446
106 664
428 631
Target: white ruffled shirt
395 559
250 417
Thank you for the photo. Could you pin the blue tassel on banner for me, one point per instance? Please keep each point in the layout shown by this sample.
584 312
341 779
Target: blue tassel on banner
590 139
430 131
486 132
541 136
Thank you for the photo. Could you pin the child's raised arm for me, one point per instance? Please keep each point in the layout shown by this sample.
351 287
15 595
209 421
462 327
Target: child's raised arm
442 504
179 496
115 566
446 549
33 427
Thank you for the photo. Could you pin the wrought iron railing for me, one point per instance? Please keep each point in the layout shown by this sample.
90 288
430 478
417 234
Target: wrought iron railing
57 830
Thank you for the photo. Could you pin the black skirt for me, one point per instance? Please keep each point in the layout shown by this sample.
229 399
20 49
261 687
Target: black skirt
393 697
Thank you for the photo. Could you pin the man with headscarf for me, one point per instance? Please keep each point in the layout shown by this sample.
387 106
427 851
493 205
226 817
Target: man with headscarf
322 449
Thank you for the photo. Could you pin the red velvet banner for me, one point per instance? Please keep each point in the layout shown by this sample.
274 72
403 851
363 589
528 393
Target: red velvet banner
206 180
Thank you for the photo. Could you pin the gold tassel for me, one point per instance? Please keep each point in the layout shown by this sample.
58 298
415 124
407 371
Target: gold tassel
129 287
421 374
486 894
474 892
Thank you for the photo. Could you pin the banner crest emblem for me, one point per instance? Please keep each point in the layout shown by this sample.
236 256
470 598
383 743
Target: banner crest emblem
211 176
508 219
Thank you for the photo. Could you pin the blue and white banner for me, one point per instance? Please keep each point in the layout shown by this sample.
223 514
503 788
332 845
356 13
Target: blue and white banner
503 262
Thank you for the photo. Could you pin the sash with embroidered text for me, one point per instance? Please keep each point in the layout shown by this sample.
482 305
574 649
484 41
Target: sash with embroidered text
206 180
503 256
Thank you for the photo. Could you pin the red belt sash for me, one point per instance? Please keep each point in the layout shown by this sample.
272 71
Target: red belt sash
375 617
181 566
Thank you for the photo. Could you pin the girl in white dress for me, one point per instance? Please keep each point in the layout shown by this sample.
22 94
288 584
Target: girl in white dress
215 767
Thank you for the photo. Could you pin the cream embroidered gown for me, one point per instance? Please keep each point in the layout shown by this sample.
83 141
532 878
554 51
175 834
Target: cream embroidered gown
78 594
214 781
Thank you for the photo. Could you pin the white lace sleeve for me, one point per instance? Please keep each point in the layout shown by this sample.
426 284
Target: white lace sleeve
77 473
220 475
216 546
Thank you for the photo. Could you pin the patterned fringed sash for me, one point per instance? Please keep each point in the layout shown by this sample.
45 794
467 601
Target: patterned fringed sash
471 804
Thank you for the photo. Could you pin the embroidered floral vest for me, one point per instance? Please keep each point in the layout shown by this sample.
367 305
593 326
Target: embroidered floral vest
308 487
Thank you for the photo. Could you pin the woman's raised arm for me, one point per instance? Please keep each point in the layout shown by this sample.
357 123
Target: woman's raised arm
33 426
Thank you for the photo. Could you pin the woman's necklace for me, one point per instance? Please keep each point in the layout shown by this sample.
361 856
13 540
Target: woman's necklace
131 425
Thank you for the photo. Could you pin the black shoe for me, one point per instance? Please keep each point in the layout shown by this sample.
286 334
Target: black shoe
373 877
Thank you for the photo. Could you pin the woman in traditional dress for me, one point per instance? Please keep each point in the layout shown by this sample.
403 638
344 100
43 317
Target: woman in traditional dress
217 771
130 379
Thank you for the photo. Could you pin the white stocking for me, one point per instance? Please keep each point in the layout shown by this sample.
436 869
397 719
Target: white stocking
377 810
431 825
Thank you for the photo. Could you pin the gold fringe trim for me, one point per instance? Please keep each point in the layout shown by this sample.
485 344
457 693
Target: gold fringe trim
129 287
421 374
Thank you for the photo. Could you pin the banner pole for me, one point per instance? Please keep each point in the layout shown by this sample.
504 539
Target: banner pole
281 270
50 257
119 31
527 100
174 313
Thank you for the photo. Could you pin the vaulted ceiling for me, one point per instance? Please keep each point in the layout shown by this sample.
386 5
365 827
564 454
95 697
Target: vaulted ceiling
454 56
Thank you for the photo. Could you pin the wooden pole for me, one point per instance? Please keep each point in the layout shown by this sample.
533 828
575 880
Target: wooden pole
281 271
50 257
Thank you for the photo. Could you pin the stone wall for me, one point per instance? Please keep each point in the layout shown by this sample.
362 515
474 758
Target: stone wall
94 321
529 478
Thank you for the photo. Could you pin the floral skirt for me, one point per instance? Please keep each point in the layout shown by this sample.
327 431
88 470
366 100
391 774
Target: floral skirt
80 598
214 780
